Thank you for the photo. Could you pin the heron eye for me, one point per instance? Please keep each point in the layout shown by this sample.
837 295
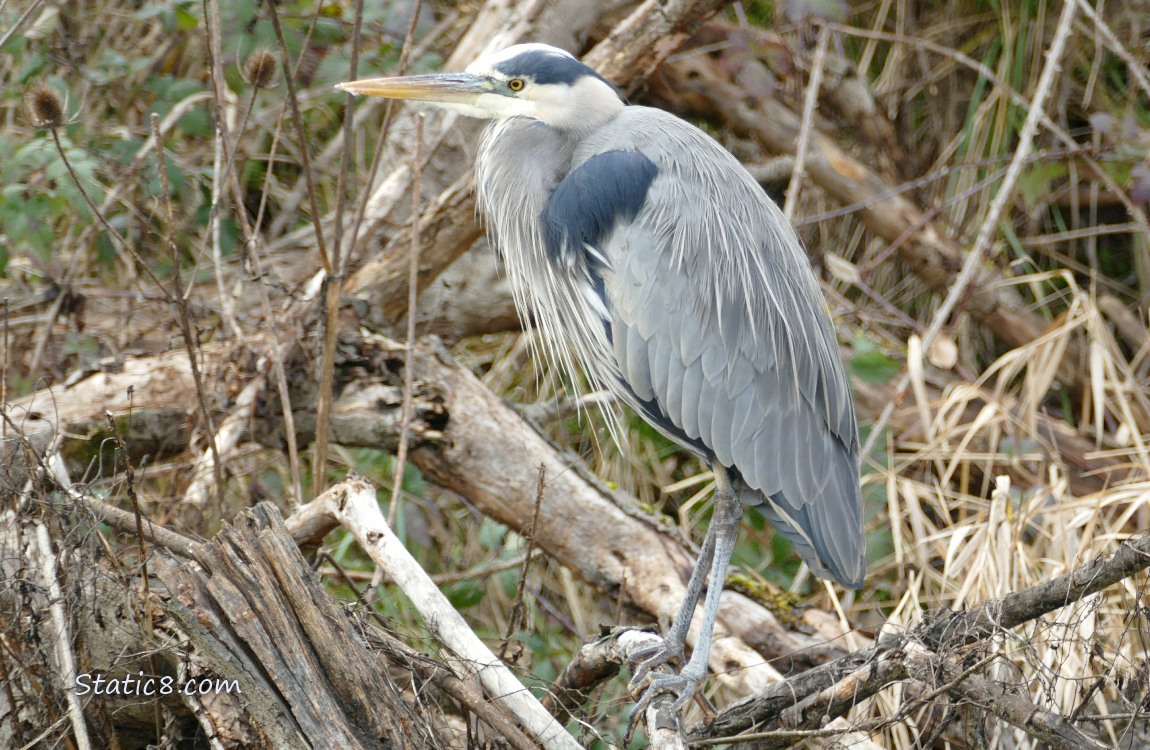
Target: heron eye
515 84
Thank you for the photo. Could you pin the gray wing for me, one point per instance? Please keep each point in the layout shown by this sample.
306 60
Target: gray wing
723 340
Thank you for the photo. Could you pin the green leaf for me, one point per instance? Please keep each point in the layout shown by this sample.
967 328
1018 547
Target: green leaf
230 239
508 581
464 594
491 534
1038 181
185 21
105 250
874 367
197 122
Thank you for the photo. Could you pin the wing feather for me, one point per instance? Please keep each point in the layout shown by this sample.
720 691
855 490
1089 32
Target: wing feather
635 361
692 393
659 355
720 336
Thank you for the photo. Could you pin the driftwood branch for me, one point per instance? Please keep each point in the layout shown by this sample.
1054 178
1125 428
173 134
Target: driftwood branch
246 609
254 612
846 682
354 506
1013 707
470 441
61 638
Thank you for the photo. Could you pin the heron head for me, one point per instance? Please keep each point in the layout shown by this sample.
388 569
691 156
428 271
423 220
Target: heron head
526 80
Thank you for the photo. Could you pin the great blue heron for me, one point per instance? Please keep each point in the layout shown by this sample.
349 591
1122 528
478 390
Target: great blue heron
643 250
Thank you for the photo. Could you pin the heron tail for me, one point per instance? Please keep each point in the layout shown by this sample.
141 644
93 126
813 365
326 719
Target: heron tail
833 548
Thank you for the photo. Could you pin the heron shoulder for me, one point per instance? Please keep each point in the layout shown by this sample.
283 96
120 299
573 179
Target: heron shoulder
670 141
608 188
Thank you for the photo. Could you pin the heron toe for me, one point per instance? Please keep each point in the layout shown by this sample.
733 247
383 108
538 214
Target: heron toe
681 686
650 657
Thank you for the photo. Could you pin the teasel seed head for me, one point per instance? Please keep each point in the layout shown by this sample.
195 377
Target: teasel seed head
260 69
44 106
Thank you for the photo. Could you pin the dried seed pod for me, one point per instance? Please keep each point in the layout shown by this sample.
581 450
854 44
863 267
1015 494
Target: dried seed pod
44 106
260 68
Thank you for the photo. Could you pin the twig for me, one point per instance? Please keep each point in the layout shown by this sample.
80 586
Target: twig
146 598
377 155
215 232
221 142
517 618
333 279
173 541
465 691
32 8
345 156
5 351
174 295
1001 86
1134 67
130 477
290 202
60 637
277 354
180 302
323 428
989 227
810 104
227 436
482 570
278 351
118 519
1034 601
412 303
975 258
301 134
116 236
1014 708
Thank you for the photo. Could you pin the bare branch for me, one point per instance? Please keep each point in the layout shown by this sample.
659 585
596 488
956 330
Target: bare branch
863 673
353 505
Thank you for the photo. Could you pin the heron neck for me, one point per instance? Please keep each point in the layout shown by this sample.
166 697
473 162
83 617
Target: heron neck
520 161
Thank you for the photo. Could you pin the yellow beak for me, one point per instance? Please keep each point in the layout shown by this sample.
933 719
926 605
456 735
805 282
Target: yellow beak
448 88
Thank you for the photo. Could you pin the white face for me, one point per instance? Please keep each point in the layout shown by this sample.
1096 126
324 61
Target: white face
582 105
527 80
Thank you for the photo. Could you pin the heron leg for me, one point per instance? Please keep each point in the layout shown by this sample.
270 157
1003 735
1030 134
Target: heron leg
721 535
677 636
675 639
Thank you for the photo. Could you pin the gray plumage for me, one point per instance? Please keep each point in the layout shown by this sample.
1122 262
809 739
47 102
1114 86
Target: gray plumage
646 254
699 310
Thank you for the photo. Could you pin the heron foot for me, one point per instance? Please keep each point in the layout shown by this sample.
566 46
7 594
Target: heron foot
650 657
681 687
